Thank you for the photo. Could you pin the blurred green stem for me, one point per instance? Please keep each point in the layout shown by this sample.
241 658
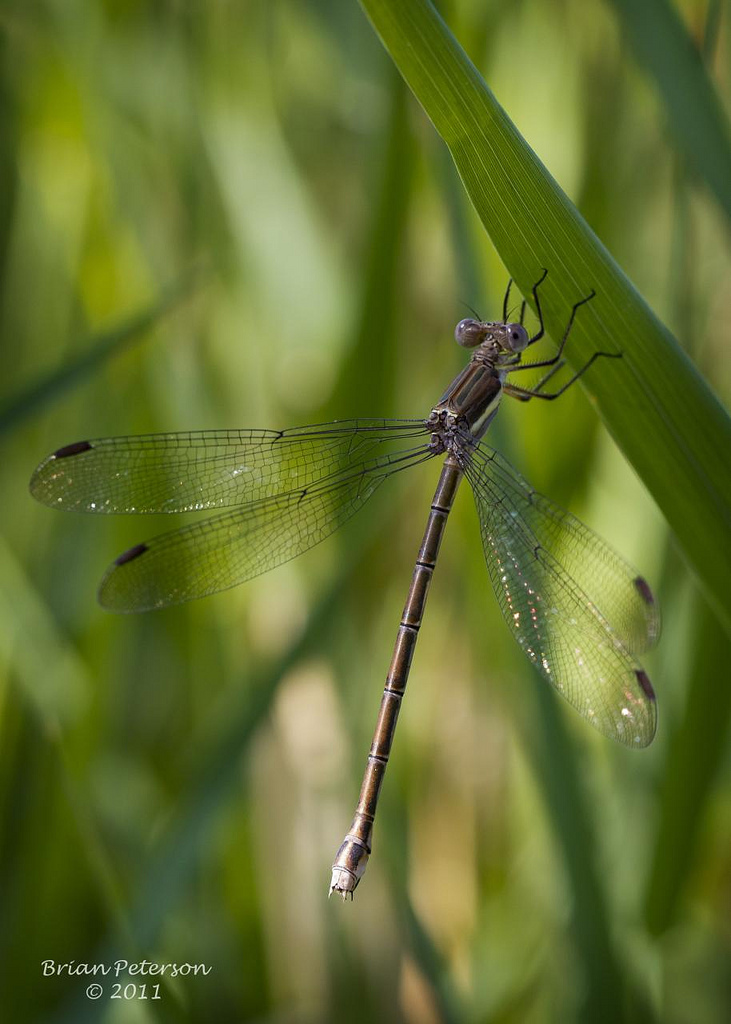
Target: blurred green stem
100 348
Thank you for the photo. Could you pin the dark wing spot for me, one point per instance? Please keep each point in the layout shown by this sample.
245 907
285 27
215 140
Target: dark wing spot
643 589
72 449
645 684
127 556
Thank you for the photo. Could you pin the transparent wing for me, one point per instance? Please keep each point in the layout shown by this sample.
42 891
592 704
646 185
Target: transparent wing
622 596
208 469
546 568
229 548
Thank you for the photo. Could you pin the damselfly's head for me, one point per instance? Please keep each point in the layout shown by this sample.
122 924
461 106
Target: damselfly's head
509 337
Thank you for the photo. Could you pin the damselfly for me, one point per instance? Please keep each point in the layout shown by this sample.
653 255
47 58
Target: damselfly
578 611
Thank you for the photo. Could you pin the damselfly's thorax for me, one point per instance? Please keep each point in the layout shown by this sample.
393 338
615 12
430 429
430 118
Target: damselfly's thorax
472 399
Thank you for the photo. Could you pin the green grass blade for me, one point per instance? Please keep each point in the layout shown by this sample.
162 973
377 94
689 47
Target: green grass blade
557 773
99 348
660 411
381 271
666 52
694 758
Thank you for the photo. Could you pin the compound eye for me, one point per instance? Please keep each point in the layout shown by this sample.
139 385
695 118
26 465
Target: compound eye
469 333
516 337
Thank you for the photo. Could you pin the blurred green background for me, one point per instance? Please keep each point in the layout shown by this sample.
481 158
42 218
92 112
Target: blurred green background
232 214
